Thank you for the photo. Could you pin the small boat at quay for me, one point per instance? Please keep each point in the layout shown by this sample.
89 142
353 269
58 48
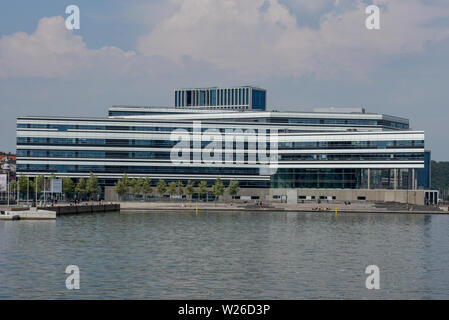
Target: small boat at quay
32 214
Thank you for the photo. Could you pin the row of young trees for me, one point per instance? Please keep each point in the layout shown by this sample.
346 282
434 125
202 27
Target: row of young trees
143 186
84 187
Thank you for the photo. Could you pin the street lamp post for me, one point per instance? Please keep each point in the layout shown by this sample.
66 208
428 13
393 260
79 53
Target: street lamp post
35 189
7 185
18 192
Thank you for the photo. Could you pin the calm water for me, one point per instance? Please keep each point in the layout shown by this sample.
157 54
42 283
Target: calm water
177 255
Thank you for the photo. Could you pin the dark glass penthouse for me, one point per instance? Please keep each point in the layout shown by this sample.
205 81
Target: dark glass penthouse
234 98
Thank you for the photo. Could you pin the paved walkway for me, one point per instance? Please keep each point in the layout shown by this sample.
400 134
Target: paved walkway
301 207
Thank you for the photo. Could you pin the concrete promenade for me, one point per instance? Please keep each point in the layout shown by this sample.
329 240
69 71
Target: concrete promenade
360 207
161 206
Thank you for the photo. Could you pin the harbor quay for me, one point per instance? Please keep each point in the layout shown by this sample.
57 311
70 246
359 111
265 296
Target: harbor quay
51 212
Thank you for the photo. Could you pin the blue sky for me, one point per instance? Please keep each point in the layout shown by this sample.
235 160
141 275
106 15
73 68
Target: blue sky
305 53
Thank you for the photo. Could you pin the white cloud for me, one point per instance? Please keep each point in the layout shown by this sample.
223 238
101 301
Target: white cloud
53 52
249 38
238 35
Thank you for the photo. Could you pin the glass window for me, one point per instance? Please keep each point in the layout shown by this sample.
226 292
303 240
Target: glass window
213 97
38 153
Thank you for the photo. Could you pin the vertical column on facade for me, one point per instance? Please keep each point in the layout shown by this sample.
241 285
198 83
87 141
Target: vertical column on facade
413 179
250 97
244 96
231 92
369 178
395 182
416 179
237 96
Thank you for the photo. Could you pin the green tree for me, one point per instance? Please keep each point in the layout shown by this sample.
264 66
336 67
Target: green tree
146 186
80 187
13 186
190 189
39 182
131 183
233 187
126 181
180 187
161 187
120 187
136 186
218 188
172 186
202 188
68 186
23 185
92 184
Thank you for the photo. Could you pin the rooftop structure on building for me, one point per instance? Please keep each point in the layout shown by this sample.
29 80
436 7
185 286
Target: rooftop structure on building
232 98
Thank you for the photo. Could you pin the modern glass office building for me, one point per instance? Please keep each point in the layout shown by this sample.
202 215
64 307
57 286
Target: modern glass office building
348 149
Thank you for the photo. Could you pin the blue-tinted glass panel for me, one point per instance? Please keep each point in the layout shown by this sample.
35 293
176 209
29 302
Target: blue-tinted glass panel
202 98
37 153
258 100
213 97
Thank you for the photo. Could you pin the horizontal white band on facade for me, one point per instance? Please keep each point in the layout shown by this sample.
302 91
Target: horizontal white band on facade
82 161
212 123
323 164
206 114
292 151
377 136
150 175
299 129
354 166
